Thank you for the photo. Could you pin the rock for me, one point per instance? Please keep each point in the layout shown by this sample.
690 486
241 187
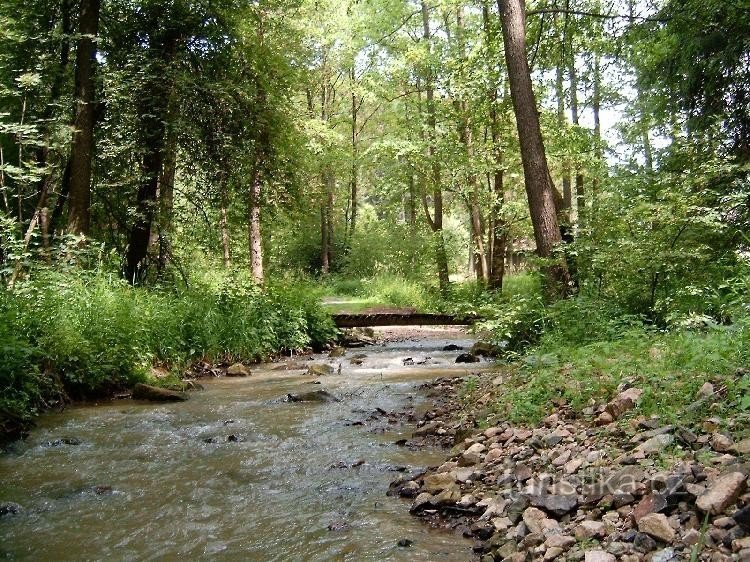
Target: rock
553 552
655 445
691 537
590 530
623 402
59 442
156 394
467 358
436 483
743 447
598 556
472 455
664 555
706 391
644 543
312 396
742 517
559 504
538 522
238 370
409 489
485 349
404 543
320 369
449 496
652 503
721 493
560 541
337 352
721 443
657 525
427 429
9 508
452 347
422 501
102 489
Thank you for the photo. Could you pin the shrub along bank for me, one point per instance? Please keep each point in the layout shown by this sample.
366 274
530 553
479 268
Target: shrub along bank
88 334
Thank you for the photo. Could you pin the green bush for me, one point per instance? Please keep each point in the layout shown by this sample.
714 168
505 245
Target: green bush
97 333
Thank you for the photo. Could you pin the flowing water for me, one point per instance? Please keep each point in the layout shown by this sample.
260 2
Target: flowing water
235 473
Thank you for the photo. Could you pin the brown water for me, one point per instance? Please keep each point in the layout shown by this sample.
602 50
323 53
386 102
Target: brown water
271 495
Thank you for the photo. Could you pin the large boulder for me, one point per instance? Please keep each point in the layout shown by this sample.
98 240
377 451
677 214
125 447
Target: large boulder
156 394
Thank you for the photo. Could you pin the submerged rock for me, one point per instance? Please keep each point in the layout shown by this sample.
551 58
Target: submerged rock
452 347
320 370
156 394
467 358
9 508
63 441
312 396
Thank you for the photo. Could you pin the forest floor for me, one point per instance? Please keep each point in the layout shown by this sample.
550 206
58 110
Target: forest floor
603 483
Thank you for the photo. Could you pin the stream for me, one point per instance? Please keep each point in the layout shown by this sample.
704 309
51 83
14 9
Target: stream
236 473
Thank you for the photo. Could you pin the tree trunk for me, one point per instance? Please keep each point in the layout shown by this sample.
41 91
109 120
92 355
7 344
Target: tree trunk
539 189
579 187
226 245
79 196
436 222
567 202
166 196
255 238
156 114
498 227
354 180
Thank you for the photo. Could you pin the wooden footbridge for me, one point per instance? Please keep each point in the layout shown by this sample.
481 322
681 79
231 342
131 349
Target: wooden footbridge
399 318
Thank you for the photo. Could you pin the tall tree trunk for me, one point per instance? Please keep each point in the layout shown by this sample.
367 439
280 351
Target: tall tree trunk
166 195
156 114
79 196
539 189
436 222
579 187
226 245
560 94
354 180
254 231
465 134
498 227
326 219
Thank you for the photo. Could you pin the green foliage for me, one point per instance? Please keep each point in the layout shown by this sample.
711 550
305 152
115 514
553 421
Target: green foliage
97 333
670 367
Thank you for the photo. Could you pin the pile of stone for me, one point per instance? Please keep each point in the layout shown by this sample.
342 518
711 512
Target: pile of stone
575 490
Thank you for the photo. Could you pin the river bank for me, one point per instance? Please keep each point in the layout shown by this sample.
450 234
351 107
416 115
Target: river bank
601 485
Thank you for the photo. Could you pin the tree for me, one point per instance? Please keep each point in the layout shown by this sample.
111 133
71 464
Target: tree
79 190
539 189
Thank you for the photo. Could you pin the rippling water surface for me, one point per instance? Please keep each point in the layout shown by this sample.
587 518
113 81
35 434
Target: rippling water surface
234 473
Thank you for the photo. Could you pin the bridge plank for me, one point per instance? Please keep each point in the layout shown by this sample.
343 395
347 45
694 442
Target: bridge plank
364 320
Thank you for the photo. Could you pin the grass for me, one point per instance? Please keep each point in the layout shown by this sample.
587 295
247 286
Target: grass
91 333
670 367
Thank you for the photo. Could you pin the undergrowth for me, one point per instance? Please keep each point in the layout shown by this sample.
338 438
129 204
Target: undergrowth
92 333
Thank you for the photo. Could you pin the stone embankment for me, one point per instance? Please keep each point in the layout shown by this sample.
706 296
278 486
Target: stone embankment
584 489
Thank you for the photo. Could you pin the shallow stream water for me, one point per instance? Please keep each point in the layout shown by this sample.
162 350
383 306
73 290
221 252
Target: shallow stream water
235 473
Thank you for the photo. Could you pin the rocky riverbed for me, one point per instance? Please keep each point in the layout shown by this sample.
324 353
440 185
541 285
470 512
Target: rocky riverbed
590 488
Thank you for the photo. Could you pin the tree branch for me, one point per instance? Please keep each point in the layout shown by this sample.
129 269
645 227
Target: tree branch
542 11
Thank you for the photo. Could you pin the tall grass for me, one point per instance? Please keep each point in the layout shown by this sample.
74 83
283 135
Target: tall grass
94 333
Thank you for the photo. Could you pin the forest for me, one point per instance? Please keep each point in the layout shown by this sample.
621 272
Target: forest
188 180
